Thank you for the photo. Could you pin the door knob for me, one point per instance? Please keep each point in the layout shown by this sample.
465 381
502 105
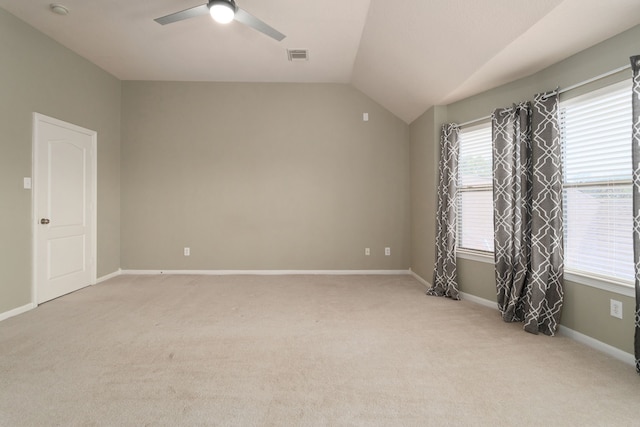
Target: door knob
44 221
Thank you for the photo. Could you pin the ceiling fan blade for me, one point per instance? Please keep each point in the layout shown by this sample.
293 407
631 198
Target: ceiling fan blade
253 22
185 14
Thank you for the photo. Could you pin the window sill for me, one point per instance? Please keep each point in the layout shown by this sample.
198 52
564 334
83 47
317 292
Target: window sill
600 283
472 255
613 286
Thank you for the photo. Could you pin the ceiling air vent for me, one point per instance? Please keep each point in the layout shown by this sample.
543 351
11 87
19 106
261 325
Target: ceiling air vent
298 54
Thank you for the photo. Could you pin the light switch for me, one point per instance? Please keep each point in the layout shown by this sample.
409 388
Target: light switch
27 183
365 117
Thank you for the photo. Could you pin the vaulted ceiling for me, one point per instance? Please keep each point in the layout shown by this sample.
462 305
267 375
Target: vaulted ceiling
407 55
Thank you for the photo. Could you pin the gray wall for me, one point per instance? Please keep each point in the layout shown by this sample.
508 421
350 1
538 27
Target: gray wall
424 183
39 75
260 177
586 309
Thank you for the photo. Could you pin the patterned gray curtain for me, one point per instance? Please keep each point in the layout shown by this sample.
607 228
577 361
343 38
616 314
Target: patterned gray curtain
445 281
511 133
547 240
635 157
527 184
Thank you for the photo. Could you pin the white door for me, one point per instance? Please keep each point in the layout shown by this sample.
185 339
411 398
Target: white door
64 186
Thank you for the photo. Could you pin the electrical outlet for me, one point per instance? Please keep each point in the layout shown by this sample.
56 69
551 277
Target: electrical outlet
187 251
367 251
616 309
387 251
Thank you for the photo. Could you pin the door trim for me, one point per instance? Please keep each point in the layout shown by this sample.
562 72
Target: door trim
93 182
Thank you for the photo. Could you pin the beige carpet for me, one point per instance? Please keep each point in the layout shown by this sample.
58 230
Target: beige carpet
295 351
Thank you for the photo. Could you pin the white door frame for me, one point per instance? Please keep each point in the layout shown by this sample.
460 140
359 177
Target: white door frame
93 178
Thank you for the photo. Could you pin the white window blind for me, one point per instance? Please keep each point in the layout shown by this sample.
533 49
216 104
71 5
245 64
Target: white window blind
475 193
598 223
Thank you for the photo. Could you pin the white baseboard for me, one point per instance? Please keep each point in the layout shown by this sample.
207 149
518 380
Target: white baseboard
478 300
563 330
569 333
31 306
419 278
598 345
16 311
269 272
109 276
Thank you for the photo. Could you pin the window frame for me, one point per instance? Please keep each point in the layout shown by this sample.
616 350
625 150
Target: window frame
465 252
607 283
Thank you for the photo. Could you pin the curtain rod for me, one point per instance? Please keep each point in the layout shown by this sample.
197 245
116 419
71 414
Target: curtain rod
595 79
470 122
566 89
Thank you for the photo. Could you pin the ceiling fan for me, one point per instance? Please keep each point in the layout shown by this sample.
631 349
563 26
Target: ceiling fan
223 11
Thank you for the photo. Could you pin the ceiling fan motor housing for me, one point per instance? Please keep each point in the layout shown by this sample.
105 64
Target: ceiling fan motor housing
230 3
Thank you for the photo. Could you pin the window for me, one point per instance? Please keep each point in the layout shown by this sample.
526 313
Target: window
475 193
597 188
597 203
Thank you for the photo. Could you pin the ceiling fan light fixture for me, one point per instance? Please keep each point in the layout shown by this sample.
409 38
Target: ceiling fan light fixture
222 11
58 9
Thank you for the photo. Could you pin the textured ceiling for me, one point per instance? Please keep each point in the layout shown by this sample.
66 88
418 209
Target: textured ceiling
407 57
